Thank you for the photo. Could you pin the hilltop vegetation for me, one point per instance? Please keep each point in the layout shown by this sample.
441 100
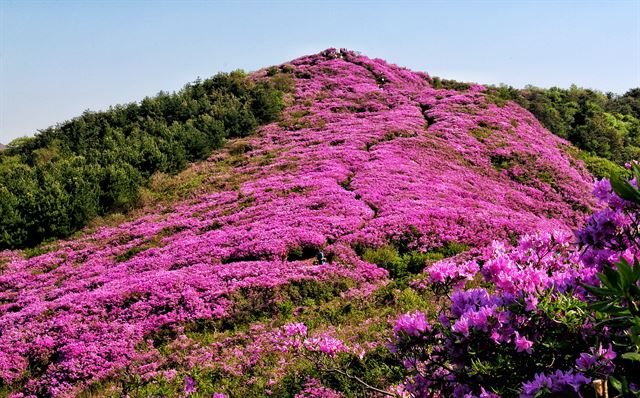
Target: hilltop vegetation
605 126
52 184
368 162
55 183
458 259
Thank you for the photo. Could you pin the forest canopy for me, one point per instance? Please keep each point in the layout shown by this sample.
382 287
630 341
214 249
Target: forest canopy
52 184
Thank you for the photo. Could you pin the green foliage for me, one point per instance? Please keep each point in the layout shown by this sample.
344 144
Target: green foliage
600 167
440 83
53 184
36 251
564 309
411 262
618 300
386 257
130 253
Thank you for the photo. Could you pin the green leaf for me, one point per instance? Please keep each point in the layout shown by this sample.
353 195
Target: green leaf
632 356
597 291
626 275
636 269
610 278
624 189
617 384
606 282
636 171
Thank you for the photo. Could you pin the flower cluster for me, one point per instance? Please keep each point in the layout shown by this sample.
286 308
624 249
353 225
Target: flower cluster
532 311
294 338
566 383
411 324
610 232
449 273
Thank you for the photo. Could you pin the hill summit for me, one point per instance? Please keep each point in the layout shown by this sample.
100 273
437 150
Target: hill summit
365 155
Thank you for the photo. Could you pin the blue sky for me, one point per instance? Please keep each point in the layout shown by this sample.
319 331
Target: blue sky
60 58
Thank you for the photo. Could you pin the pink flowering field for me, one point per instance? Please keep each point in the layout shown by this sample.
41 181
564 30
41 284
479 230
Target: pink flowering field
367 154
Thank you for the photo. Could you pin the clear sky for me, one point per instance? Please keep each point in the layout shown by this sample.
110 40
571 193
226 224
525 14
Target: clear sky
60 58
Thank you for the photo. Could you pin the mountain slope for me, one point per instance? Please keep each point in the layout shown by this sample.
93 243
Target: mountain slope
366 154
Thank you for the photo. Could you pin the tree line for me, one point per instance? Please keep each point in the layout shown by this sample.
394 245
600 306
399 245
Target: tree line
52 184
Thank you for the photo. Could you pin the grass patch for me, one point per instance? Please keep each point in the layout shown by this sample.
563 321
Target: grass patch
501 162
481 133
31 252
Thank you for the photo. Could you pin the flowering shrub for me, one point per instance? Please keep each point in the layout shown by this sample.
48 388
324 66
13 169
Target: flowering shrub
618 305
313 389
535 327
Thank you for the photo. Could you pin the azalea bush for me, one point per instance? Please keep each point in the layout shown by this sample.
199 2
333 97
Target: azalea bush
548 318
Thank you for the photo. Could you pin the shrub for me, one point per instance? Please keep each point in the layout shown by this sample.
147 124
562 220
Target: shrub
411 262
533 330
600 167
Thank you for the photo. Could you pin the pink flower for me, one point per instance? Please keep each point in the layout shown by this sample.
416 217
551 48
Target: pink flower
412 324
461 326
531 303
522 344
496 336
189 385
326 344
585 361
295 329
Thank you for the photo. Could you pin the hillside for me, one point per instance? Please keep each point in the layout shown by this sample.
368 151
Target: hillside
366 155
604 125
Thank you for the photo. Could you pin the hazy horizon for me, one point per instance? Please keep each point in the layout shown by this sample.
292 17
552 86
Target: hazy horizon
59 59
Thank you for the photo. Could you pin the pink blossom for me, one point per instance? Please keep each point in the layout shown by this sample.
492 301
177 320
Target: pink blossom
412 324
522 344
